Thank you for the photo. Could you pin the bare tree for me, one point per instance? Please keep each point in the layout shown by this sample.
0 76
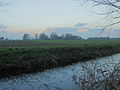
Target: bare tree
112 10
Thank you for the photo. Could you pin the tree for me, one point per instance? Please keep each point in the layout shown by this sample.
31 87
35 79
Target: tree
54 36
26 37
71 37
43 36
75 37
68 36
112 12
62 37
1 38
36 36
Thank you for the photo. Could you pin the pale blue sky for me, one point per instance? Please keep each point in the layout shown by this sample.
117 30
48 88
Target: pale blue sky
37 16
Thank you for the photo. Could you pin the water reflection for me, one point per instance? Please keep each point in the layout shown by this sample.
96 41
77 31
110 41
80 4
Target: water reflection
59 78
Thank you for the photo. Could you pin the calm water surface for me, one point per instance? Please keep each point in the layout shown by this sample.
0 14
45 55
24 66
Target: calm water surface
58 77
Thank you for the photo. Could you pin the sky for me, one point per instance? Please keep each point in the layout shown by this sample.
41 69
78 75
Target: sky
45 16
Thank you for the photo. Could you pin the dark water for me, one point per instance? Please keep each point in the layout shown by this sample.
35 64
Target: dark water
62 78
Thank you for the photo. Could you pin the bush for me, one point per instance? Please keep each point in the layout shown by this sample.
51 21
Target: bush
95 77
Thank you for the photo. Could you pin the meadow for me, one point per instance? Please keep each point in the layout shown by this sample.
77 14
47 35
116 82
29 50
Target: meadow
20 56
58 43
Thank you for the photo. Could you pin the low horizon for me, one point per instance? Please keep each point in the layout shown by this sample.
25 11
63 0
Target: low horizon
70 16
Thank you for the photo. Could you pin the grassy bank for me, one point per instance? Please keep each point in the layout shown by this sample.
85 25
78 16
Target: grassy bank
30 59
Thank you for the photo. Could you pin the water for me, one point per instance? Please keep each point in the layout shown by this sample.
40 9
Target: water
58 78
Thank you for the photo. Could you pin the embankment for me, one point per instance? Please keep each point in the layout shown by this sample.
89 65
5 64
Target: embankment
15 61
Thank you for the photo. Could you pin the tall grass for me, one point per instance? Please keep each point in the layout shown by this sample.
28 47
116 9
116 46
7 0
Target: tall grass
17 60
99 77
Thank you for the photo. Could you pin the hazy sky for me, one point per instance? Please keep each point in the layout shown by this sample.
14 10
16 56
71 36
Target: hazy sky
62 16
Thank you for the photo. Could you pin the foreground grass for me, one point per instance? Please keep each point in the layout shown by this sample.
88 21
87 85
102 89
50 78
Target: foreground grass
93 76
23 59
97 77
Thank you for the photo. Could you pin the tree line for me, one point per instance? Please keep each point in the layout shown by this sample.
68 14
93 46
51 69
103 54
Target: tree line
53 36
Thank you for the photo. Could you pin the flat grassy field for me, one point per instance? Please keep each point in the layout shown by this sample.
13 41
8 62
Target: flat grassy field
56 43
30 56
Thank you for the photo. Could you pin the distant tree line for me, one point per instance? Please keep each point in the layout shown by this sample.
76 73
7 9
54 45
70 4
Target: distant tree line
102 38
53 36
3 38
98 38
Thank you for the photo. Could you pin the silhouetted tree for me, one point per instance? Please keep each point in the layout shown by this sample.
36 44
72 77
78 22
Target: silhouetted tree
26 37
36 36
68 36
43 36
99 38
62 37
1 38
54 36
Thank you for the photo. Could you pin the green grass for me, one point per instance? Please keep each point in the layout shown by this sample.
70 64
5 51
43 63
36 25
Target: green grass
56 43
30 56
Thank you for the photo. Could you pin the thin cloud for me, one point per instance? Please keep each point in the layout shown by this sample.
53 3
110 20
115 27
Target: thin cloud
61 30
79 27
2 4
80 24
2 26
115 32
82 30
47 14
27 30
